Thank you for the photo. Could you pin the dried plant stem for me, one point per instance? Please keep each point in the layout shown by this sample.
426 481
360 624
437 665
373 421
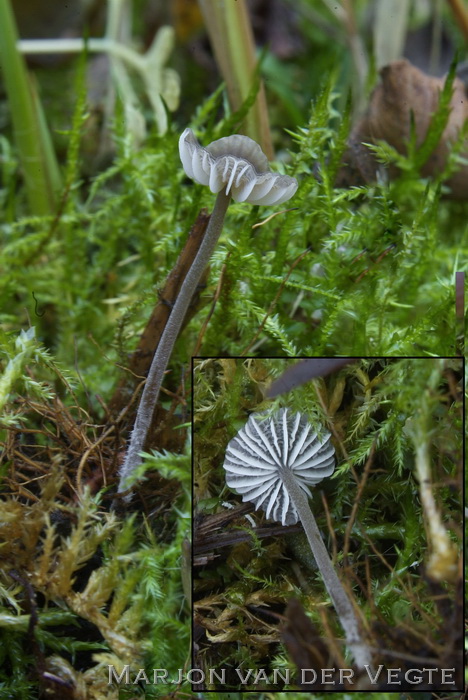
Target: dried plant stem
274 302
343 606
443 562
39 166
230 32
461 15
166 344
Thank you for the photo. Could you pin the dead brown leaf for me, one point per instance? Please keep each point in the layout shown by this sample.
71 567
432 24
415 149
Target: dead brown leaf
406 93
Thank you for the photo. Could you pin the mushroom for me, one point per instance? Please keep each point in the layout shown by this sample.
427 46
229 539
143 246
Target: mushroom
237 166
234 166
272 462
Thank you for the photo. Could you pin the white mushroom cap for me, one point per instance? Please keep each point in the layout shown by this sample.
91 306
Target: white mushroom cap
238 164
264 448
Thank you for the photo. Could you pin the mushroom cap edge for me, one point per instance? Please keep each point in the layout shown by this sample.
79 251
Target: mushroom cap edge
237 163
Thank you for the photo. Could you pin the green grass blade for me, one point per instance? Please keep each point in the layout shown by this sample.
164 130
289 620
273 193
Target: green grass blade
40 169
231 36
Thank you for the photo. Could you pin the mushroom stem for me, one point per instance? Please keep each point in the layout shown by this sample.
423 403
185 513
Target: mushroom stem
163 352
341 601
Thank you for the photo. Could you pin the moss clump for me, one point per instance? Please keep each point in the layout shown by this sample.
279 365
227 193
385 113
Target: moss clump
82 587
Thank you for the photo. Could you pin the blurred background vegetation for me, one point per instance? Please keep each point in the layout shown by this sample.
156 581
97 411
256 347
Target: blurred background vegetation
304 41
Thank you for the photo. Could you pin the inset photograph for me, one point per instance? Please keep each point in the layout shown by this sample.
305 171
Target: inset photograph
328 524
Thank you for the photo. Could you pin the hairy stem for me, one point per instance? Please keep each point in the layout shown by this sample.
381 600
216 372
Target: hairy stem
343 606
163 352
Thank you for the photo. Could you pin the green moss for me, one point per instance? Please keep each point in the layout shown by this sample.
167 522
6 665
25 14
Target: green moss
377 277
386 556
361 271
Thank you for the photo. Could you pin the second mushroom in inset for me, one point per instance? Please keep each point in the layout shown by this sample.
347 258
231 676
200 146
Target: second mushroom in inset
272 461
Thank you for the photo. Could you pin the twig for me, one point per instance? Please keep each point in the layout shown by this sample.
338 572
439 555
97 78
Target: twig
140 360
461 15
275 301
425 616
212 308
166 344
105 434
360 489
331 529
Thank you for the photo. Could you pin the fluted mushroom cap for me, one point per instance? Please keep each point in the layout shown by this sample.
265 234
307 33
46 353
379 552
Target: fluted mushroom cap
238 164
257 456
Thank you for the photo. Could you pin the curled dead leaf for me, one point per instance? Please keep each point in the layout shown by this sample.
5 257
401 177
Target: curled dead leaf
405 94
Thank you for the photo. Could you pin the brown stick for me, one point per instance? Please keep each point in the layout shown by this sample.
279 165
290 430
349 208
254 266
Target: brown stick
140 360
461 16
